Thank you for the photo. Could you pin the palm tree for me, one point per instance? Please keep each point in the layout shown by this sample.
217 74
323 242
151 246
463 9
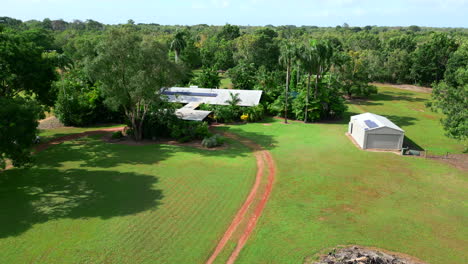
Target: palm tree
235 100
324 53
310 63
288 54
178 44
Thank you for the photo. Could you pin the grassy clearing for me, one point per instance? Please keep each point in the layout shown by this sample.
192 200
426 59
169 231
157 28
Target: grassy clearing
407 109
330 193
87 201
226 82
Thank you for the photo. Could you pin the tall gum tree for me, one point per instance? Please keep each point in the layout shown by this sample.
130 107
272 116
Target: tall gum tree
132 71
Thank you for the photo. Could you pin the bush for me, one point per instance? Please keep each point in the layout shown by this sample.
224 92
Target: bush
255 113
229 114
213 141
117 135
79 102
208 78
163 123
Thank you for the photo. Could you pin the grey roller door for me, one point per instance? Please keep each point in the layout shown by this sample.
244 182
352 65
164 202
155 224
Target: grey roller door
377 141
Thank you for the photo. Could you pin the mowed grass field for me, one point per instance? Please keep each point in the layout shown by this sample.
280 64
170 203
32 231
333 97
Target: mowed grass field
328 193
87 201
49 134
407 109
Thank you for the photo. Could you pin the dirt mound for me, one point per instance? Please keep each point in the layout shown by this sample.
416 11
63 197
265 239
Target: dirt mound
49 123
362 255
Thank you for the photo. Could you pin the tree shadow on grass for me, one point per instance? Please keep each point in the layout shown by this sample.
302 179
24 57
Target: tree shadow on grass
402 120
36 195
395 96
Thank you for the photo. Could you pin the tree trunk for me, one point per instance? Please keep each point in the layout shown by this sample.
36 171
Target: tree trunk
297 76
176 56
286 92
316 86
307 97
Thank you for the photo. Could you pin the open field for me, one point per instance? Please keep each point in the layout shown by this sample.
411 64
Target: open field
328 192
407 109
87 201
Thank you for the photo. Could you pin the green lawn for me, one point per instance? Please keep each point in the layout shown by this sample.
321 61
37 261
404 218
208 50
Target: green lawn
407 109
329 193
87 201
49 134
226 82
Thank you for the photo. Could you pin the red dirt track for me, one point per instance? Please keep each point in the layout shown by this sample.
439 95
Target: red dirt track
244 215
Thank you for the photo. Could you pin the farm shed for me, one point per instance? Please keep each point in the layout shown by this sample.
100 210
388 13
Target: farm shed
371 131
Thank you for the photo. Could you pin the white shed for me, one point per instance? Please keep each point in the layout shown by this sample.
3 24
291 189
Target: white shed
371 131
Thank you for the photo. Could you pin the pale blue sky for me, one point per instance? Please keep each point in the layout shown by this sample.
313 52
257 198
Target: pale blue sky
439 13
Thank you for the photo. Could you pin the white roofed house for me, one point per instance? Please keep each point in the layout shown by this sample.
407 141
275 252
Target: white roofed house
371 131
194 97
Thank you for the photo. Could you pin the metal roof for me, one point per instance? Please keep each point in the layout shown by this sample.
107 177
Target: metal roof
188 112
372 121
211 96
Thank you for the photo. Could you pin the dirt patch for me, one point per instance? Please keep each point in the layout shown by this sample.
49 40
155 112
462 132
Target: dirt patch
49 123
408 87
459 161
431 117
363 255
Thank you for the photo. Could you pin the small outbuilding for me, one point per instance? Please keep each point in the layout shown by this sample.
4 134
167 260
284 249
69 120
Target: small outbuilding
371 131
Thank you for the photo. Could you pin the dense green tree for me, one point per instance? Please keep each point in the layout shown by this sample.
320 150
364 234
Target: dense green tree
23 69
229 32
364 41
452 100
208 78
25 83
260 48
398 66
243 76
402 42
458 60
80 102
18 128
430 58
132 70
353 75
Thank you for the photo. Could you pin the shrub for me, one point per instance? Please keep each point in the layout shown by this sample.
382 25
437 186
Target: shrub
117 135
163 123
213 141
254 113
229 114
80 103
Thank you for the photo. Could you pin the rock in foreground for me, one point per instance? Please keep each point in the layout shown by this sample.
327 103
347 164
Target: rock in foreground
361 255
